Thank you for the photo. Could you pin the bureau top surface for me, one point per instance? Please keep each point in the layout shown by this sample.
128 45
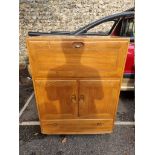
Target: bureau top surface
63 37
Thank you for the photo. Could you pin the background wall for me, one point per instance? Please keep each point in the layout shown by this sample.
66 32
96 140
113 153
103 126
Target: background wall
67 15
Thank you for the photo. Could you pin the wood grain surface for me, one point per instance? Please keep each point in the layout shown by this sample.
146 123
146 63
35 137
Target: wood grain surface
77 82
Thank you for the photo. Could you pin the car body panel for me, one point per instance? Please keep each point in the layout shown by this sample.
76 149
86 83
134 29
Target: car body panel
129 66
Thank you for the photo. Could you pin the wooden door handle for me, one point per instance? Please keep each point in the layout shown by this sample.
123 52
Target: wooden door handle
100 124
78 44
73 98
81 99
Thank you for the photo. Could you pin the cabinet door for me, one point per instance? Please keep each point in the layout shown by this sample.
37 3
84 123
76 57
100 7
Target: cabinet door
56 98
98 98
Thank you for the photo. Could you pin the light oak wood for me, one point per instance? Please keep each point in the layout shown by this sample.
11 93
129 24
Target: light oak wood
77 126
98 97
57 58
77 82
57 98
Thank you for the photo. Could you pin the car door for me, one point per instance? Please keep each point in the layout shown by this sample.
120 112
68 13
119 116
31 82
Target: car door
127 30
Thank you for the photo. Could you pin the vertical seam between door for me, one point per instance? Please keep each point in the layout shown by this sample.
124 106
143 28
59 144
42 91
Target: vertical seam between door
78 89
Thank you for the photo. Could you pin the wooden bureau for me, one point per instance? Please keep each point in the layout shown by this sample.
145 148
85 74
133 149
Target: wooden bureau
77 82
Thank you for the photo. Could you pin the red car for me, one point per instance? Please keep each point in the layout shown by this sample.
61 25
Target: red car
121 24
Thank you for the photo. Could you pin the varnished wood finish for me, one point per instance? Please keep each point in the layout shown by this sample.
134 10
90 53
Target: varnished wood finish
77 126
77 82
97 98
57 98
96 57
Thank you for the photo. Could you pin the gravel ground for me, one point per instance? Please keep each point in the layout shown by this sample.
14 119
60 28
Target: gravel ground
120 142
24 93
25 87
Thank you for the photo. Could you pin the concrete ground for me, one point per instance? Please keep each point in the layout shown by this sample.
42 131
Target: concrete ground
120 142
